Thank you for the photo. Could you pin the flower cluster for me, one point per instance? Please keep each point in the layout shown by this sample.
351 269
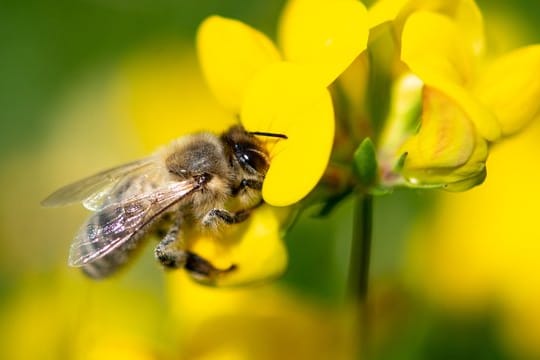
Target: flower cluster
467 100
286 91
402 94
280 90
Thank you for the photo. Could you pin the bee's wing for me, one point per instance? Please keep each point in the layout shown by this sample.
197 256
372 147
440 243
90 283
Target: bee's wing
116 224
95 187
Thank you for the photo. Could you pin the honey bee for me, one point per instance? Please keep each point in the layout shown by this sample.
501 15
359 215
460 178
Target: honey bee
191 182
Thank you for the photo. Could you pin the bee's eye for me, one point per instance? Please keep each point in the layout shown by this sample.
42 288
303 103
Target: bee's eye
250 158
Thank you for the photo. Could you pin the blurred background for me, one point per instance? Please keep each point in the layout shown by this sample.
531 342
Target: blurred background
85 85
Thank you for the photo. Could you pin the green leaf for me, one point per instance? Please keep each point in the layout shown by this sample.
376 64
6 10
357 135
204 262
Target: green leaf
365 163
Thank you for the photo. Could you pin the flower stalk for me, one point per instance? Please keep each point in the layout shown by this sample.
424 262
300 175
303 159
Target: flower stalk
359 266
361 246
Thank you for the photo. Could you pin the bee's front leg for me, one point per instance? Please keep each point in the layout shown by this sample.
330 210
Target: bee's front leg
216 215
247 184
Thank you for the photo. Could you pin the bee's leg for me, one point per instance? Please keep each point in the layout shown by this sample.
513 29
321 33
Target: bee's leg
228 217
170 255
167 251
247 183
202 269
216 215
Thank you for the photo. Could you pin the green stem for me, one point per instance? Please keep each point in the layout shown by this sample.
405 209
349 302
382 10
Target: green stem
361 247
359 267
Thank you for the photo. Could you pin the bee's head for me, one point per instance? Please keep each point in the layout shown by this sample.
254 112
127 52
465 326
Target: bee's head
247 150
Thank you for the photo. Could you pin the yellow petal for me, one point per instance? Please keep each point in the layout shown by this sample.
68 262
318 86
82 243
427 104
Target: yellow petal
484 119
476 179
465 14
460 178
447 151
468 18
255 247
384 11
230 53
284 98
473 172
433 48
325 35
446 138
510 87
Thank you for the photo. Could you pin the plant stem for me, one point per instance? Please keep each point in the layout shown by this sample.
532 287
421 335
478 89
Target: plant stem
361 247
359 267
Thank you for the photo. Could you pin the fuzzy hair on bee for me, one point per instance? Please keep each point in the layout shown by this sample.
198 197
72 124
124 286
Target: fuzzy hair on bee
200 180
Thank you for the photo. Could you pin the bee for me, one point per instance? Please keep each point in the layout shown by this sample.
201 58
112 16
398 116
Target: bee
200 180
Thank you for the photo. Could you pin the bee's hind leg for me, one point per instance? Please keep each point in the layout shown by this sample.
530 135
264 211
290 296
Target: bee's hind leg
202 270
167 251
171 256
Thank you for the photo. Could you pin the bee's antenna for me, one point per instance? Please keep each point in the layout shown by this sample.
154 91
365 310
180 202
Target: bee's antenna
268 134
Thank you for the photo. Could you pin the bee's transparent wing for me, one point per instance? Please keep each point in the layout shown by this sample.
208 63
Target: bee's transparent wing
116 224
145 180
92 190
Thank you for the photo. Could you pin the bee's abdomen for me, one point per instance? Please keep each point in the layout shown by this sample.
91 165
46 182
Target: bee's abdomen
103 267
108 264
113 261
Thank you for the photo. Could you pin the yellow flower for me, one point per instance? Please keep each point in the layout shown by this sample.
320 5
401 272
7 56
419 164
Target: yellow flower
270 92
447 151
466 103
500 98
286 92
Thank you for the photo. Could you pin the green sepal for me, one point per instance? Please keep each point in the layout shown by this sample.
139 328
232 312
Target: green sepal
380 190
400 163
365 163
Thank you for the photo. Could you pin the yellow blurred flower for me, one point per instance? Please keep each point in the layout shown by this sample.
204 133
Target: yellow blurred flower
266 322
286 93
479 250
67 318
